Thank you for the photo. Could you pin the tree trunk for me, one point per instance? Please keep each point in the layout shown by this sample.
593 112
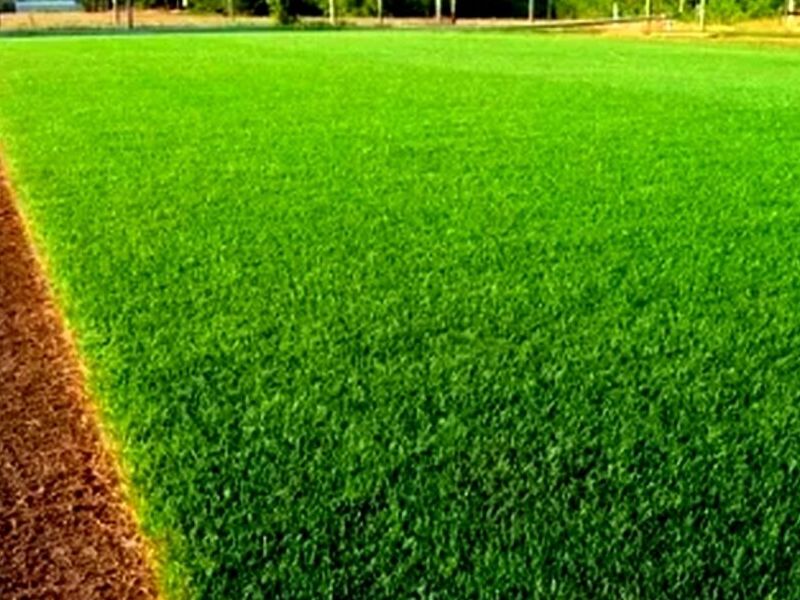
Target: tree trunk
129 10
332 11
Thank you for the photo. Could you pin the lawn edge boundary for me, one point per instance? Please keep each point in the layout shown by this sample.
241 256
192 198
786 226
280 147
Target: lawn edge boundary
66 515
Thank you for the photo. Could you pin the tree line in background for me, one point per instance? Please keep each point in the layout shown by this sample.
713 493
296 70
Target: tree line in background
287 10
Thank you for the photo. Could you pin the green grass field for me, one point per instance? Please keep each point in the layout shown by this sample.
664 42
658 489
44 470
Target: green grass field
436 315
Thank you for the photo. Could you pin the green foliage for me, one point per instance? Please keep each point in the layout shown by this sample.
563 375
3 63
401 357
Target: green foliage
399 315
288 10
721 10
725 10
728 11
209 6
283 10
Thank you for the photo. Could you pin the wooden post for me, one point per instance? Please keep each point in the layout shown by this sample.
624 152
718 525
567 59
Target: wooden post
439 10
453 11
129 11
702 15
530 11
332 11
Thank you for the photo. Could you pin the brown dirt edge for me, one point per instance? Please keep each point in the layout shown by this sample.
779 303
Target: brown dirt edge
65 528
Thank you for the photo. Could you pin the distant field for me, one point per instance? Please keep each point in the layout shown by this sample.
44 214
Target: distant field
777 29
436 315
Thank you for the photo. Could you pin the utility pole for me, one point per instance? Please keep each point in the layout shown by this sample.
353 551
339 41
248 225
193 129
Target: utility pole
439 10
332 11
453 11
530 11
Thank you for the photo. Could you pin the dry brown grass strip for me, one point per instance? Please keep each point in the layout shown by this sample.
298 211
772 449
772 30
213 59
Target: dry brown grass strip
65 529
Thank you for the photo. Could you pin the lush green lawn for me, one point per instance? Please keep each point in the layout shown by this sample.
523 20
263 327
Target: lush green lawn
432 315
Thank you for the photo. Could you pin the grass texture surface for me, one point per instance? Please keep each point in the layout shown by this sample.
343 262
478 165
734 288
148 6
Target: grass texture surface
435 315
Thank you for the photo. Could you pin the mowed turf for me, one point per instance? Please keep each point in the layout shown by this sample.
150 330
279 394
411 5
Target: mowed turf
436 315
